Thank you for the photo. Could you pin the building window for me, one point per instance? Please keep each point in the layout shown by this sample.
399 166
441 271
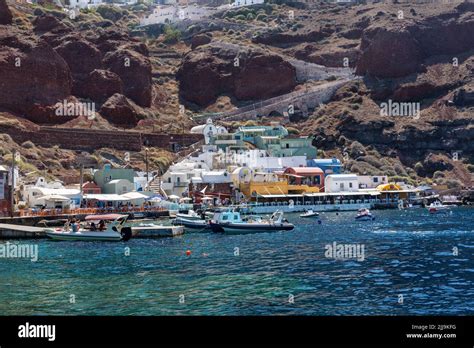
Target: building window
376 179
350 185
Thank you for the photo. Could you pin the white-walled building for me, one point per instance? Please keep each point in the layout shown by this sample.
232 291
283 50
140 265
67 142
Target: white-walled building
85 3
341 183
240 3
170 14
371 181
208 130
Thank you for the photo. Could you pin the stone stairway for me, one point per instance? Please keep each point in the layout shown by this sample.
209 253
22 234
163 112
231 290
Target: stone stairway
155 186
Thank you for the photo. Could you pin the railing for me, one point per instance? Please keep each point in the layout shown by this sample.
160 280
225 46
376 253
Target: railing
85 211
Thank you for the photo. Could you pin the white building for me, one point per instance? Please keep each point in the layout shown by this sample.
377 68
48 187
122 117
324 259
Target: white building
208 130
84 3
240 3
51 197
171 14
341 183
371 181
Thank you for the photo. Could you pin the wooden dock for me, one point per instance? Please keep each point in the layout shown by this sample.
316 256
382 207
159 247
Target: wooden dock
8 231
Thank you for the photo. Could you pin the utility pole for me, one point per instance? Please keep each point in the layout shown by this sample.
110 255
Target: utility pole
146 167
12 192
81 184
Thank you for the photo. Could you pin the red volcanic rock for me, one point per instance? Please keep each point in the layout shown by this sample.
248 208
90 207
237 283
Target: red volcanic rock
99 86
199 40
120 111
322 56
210 71
134 70
264 76
415 91
47 22
389 53
5 13
81 56
31 72
277 38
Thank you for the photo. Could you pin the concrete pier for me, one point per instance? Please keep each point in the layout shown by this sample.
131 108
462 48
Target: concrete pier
8 231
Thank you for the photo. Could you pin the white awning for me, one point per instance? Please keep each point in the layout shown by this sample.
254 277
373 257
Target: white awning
134 195
106 197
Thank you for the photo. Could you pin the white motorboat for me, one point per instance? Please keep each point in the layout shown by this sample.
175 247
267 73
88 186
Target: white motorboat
113 231
229 221
191 224
364 215
437 207
309 213
191 215
152 230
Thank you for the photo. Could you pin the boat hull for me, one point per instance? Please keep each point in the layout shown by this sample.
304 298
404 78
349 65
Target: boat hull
249 228
157 231
90 236
309 215
365 218
192 224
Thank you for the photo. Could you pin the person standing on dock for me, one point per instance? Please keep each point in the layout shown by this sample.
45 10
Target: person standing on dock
74 226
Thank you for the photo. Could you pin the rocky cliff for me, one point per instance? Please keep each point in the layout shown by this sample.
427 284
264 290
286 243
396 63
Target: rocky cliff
246 73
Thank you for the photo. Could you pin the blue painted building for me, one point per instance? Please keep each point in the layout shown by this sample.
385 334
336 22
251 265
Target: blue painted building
327 165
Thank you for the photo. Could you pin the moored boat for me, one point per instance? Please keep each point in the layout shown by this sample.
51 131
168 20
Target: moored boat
437 207
364 215
309 213
152 230
230 221
113 231
191 224
191 215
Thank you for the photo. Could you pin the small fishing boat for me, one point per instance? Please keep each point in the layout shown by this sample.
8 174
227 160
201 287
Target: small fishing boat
113 231
229 221
191 224
437 207
364 215
309 214
152 230
191 215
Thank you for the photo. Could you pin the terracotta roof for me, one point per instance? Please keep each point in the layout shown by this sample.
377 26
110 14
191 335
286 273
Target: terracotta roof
305 170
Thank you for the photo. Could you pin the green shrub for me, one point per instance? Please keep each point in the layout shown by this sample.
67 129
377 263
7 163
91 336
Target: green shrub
356 149
240 17
373 161
112 13
172 35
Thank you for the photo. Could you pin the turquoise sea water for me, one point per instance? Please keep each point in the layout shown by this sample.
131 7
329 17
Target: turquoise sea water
408 253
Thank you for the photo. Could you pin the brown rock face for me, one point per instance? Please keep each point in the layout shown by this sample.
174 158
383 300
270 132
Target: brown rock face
120 111
31 72
283 39
134 70
389 53
199 40
99 86
5 13
81 56
47 22
216 69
